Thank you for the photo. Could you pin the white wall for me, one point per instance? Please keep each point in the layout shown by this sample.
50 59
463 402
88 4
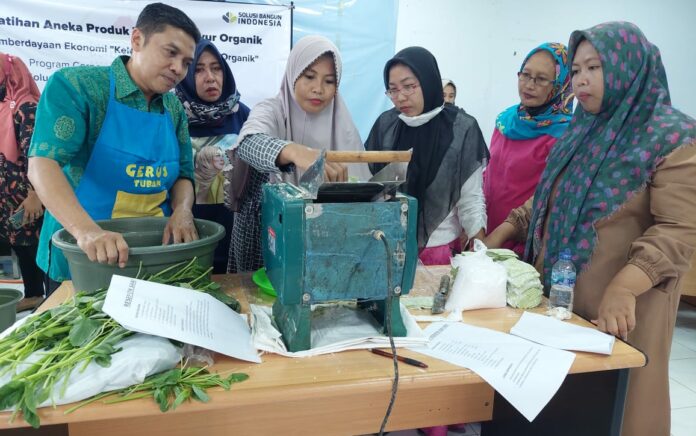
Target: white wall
480 44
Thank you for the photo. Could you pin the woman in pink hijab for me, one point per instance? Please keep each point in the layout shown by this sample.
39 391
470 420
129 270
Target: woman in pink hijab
20 208
285 134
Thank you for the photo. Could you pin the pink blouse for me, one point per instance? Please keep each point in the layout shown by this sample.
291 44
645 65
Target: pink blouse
512 175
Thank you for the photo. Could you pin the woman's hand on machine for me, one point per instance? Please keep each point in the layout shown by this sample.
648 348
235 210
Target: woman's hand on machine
335 172
303 157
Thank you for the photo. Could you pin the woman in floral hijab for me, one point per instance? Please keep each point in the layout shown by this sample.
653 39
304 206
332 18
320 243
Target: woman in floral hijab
526 132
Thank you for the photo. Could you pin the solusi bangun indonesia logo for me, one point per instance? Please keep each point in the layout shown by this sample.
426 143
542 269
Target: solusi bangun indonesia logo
253 19
229 18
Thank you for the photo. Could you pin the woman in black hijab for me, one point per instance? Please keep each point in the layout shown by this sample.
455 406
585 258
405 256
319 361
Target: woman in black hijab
449 154
210 97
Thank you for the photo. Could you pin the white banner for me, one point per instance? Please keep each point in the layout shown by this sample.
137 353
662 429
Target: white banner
49 35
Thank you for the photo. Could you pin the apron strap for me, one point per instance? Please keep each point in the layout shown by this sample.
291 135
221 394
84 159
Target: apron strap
112 84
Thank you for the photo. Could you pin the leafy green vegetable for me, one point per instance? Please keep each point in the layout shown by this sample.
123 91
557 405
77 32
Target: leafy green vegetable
169 389
193 276
70 336
83 331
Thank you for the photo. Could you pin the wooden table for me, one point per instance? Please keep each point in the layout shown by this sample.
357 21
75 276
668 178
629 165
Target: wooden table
348 393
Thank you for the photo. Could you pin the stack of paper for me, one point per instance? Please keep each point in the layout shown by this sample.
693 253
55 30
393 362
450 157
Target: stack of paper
558 334
181 314
334 328
526 374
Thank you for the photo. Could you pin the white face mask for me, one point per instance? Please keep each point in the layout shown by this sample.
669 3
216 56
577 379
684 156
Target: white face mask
421 119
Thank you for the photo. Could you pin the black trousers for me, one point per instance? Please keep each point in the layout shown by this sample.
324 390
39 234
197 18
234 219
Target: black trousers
32 275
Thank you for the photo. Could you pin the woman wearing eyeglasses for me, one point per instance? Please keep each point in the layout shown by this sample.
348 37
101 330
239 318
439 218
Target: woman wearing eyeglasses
526 132
449 153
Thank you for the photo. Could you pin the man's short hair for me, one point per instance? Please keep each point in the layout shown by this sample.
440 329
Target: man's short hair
156 16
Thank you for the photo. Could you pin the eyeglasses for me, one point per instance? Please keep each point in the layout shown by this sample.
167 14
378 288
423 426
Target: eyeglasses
538 81
405 91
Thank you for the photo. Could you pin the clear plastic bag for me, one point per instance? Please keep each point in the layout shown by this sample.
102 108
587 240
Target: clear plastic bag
197 356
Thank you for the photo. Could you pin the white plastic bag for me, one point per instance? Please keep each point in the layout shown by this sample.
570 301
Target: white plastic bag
141 355
480 283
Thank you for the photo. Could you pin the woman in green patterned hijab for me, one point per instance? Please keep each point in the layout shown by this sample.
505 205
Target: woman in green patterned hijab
618 191
623 130
624 127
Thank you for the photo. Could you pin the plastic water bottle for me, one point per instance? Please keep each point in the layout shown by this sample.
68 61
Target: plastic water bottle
562 282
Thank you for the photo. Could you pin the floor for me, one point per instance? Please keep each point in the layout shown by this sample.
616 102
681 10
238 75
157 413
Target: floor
469 430
682 373
682 376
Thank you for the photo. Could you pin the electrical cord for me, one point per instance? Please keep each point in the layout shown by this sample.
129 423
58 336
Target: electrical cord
379 235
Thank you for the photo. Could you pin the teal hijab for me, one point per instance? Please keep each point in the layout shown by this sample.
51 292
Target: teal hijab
519 122
604 160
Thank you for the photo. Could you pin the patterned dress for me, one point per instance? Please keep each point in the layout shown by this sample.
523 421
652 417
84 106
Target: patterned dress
260 151
14 183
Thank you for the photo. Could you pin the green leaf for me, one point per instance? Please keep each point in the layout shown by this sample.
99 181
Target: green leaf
231 302
84 299
104 348
103 361
173 376
29 398
42 393
117 334
99 315
11 394
181 396
161 398
214 286
169 394
60 310
30 416
200 394
237 377
83 331
162 377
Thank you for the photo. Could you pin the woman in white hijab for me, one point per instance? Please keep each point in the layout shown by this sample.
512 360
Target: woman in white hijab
286 134
449 91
